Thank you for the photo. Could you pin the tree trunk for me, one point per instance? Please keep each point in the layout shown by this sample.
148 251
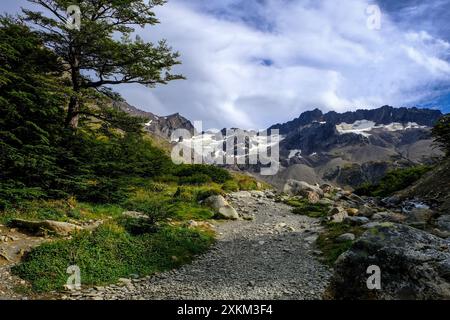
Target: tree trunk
72 116
72 111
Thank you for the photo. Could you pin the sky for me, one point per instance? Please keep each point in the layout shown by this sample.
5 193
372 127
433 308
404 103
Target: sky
254 63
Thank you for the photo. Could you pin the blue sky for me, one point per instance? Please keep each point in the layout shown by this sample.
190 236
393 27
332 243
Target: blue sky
252 63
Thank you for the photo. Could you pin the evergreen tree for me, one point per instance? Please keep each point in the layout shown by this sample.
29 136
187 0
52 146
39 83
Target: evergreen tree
31 111
101 52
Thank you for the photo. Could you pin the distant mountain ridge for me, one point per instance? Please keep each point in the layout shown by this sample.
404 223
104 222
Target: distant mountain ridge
384 115
346 149
161 126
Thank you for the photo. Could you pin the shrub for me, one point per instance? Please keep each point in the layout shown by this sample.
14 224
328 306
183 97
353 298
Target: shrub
206 193
218 175
393 181
196 179
230 186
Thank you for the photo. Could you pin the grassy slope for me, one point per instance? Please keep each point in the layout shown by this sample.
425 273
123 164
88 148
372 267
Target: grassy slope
122 247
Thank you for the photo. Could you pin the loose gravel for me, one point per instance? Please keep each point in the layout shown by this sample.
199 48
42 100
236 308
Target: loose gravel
269 257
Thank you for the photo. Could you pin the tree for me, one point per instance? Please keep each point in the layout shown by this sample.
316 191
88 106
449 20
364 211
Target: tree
29 132
441 133
102 53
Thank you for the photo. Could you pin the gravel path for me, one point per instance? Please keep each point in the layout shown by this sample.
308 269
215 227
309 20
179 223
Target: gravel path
271 257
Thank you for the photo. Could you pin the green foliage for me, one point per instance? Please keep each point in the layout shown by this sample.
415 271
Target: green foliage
109 253
230 186
29 133
393 181
196 179
441 133
218 175
304 207
101 52
327 243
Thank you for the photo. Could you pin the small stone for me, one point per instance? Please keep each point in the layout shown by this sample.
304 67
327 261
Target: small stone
345 237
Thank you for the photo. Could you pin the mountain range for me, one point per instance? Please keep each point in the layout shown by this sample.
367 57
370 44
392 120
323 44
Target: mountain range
346 149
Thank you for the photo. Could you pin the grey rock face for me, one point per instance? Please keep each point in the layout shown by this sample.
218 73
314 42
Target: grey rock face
414 265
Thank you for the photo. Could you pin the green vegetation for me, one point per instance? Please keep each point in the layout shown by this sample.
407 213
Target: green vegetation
394 181
441 133
109 253
304 207
68 154
327 243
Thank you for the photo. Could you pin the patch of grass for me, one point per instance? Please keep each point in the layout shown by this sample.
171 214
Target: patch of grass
189 211
327 243
60 210
246 182
109 253
304 207
38 210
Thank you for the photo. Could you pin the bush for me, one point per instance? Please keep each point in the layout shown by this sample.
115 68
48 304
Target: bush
230 186
155 210
196 179
218 175
393 181
206 193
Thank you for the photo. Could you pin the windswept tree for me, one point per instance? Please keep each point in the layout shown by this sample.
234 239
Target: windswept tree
103 49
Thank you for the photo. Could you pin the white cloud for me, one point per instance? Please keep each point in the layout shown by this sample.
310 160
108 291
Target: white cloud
318 54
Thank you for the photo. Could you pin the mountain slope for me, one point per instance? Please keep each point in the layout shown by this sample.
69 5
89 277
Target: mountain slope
355 147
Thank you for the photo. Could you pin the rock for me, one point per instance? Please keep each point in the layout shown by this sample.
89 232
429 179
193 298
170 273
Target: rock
312 196
352 211
326 201
345 237
135 215
125 281
389 216
248 217
356 221
223 209
257 194
294 187
443 222
269 194
192 224
392 201
414 265
242 194
39 227
326 188
419 217
366 211
338 214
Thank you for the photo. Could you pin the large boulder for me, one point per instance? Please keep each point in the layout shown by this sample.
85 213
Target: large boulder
40 227
222 208
413 264
294 187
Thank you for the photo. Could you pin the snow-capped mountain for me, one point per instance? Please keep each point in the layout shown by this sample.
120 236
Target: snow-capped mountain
344 148
354 147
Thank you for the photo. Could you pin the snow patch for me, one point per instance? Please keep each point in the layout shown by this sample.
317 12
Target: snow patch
295 153
363 127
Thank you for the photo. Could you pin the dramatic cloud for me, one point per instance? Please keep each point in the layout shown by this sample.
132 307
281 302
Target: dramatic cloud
250 64
284 57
